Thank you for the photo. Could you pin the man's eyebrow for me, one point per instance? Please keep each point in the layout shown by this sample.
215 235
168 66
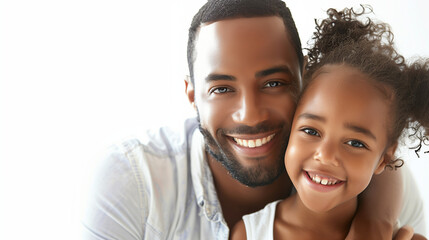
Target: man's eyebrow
312 116
359 129
217 77
277 69
263 73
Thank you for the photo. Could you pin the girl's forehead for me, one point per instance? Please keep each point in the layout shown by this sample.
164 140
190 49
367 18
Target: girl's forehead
348 78
343 94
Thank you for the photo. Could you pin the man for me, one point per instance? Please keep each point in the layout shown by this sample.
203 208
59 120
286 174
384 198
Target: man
245 64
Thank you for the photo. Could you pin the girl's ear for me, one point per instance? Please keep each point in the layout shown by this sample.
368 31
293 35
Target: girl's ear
388 156
190 93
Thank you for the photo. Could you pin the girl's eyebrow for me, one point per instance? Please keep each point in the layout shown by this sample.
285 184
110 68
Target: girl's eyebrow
350 126
360 129
312 116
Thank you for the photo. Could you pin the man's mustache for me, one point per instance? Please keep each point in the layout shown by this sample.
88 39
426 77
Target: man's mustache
261 127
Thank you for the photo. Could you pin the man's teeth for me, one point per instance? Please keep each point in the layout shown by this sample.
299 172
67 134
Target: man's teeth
252 143
324 181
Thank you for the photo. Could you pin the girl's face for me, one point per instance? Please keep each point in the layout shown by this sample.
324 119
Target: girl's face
338 138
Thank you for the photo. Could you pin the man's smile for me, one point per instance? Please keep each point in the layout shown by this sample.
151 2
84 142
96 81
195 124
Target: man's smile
255 145
252 143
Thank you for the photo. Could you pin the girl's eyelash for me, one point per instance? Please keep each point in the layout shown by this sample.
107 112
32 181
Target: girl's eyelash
310 131
353 143
359 144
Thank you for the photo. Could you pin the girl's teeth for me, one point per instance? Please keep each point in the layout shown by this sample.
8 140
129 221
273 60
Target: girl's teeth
324 181
316 179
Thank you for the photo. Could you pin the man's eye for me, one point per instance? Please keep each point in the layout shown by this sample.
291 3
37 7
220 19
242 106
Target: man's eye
273 84
310 131
356 144
220 90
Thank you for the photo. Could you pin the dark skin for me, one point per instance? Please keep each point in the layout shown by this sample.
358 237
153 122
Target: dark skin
236 51
237 201
249 101
323 143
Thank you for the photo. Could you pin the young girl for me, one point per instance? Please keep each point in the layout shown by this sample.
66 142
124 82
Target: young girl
359 96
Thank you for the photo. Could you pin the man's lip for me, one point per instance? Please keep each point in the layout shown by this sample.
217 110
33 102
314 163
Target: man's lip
252 136
253 152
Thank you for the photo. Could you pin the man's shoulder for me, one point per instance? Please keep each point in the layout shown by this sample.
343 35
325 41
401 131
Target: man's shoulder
169 139
150 157
154 146
158 142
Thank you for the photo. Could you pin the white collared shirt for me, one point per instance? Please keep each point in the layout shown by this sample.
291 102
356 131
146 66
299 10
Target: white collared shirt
159 187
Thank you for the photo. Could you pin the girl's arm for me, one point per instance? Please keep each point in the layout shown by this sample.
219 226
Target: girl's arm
379 207
407 233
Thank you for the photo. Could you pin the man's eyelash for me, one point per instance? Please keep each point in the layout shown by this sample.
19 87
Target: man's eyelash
217 90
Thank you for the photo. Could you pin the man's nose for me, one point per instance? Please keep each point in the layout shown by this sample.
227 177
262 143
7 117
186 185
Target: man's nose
251 109
327 154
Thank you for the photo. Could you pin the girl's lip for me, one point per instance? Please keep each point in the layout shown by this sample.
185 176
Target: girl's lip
320 186
323 175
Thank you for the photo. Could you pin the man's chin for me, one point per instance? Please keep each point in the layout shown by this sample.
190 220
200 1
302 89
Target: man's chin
251 176
256 177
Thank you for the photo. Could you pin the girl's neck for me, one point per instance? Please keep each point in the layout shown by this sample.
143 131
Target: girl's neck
295 221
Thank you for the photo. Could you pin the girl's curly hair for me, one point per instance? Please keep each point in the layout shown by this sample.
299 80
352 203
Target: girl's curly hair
368 46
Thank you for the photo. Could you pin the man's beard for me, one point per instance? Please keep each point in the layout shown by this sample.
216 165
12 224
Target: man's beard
252 177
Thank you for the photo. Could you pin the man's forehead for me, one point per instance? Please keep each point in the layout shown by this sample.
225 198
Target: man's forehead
231 26
258 32
244 46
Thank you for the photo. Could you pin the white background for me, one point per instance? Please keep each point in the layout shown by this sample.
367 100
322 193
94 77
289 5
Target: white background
76 76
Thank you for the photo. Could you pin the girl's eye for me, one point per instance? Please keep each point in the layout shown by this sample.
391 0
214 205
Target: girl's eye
356 144
220 90
273 84
310 131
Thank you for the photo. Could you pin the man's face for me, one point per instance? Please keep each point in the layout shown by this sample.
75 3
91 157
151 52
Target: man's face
246 80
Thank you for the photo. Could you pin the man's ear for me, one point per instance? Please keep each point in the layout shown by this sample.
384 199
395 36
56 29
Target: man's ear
388 156
189 90
304 65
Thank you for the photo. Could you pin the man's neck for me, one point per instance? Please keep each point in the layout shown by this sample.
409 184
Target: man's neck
237 199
